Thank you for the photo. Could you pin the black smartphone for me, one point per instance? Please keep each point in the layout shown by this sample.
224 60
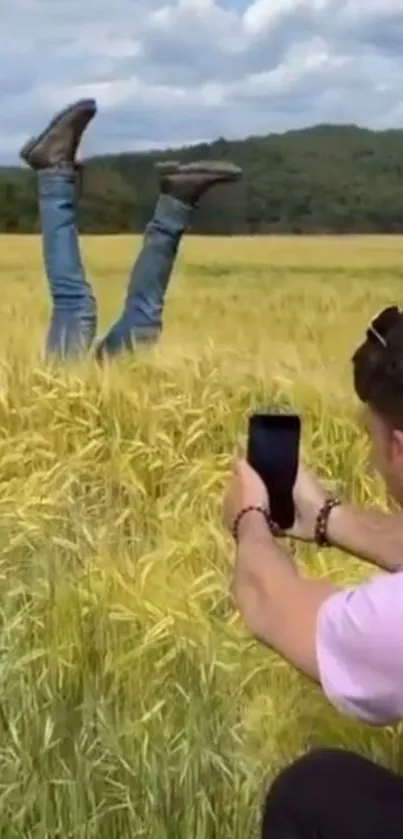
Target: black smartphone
273 452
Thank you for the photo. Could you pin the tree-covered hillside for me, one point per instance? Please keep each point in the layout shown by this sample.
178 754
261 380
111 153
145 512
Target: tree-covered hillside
317 180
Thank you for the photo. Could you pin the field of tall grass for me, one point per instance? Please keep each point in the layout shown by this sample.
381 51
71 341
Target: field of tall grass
132 702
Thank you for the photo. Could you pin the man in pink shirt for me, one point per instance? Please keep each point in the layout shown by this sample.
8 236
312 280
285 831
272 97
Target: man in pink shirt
350 641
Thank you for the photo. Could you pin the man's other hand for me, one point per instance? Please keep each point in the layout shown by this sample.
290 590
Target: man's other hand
309 497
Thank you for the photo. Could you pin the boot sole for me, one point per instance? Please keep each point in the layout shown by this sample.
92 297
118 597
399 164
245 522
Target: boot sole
219 170
81 105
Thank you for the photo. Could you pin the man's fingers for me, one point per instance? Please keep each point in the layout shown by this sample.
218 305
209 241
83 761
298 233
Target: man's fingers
237 461
238 464
242 468
235 467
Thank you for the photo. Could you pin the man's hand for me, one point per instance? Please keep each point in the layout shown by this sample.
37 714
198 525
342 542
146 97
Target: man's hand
245 489
371 535
277 606
309 497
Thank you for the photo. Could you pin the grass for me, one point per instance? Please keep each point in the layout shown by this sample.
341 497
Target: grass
132 703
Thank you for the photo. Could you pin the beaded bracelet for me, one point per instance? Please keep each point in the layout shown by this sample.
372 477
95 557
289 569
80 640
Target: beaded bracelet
323 519
252 509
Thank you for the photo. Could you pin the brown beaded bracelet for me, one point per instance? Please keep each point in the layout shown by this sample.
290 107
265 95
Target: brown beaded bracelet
252 509
323 519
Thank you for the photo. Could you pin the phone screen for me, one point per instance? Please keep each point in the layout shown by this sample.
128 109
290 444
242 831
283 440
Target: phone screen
273 452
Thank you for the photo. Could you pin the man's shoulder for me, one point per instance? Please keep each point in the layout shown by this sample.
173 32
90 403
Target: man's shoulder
372 609
360 648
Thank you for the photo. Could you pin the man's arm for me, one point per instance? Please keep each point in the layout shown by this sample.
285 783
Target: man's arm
349 640
278 606
371 535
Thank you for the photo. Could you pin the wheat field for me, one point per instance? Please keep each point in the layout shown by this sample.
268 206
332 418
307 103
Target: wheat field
132 702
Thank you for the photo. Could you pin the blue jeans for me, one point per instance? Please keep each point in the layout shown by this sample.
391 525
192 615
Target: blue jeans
74 317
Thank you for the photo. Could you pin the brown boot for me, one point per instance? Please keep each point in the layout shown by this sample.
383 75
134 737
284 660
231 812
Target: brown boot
57 145
187 182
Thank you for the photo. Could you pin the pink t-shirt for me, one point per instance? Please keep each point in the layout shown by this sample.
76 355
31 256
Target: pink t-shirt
360 649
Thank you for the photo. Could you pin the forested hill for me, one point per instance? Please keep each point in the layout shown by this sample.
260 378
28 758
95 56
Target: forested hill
318 180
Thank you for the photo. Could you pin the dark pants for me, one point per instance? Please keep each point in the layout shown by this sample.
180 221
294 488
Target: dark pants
333 794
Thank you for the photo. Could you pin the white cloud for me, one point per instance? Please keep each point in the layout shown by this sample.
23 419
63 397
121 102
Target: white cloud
171 72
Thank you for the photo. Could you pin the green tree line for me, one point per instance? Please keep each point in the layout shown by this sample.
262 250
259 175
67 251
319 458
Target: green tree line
325 179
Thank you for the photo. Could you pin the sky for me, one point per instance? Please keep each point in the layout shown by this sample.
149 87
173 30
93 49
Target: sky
175 72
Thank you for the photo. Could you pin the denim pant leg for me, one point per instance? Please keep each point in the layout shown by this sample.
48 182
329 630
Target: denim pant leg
74 315
141 319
